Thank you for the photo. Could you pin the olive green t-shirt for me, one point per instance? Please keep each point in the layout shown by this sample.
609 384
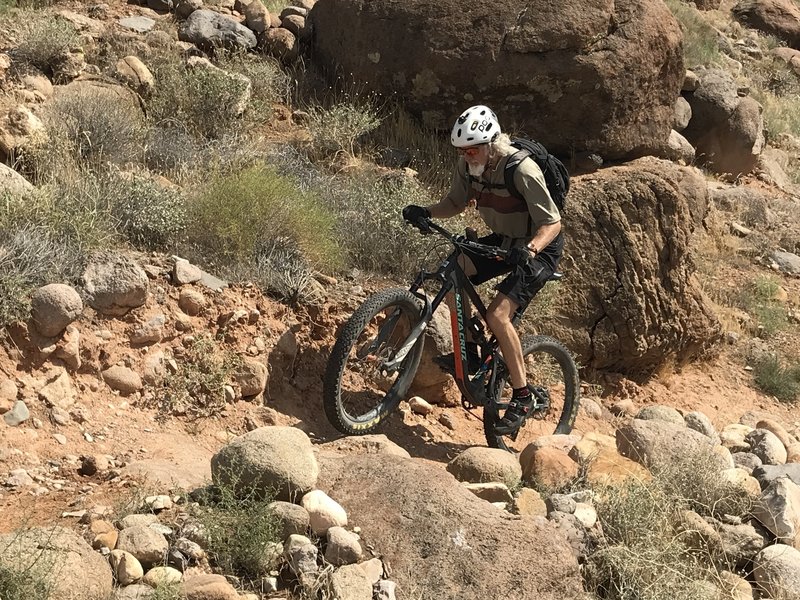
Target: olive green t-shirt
503 213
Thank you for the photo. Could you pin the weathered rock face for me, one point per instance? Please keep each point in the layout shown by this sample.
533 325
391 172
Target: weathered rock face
562 73
780 18
60 557
435 532
208 29
630 301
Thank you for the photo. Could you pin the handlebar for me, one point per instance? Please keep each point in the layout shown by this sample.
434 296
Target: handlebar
426 225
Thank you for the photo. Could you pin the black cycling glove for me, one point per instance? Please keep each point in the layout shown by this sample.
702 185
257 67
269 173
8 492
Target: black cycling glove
518 255
412 213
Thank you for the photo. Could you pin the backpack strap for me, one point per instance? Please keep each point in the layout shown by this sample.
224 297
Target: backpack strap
511 167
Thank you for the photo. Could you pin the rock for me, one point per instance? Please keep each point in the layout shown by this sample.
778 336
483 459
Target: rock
294 519
191 302
350 583
205 586
268 459
138 520
373 569
776 570
105 536
780 18
147 545
430 380
343 548
429 79
17 415
207 29
529 502
301 554
623 408
280 43
740 543
19 129
133 72
591 409
700 422
738 478
137 24
69 348
561 503
150 332
323 512
385 590
115 284
366 444
18 478
678 149
122 379
8 390
549 467
79 571
661 413
58 391
185 272
573 531
746 461
766 446
127 569
161 576
90 465
690 81
296 24
479 465
491 492
733 437
590 445
420 406
672 317
787 262
257 16
134 592
778 510
409 506
53 307
657 444
793 454
682 114
251 377
608 467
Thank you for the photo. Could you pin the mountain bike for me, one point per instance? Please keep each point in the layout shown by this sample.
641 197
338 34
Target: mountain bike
377 353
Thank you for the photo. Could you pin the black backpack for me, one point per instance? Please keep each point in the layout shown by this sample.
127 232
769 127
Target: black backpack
555 173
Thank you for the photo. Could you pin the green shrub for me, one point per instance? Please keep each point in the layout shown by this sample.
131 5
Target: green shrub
206 102
167 591
149 215
777 379
279 267
270 83
336 130
197 388
759 299
700 45
233 217
371 227
42 39
171 150
23 575
240 527
96 125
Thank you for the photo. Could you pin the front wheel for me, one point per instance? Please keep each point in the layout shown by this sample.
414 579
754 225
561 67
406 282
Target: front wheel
553 374
360 390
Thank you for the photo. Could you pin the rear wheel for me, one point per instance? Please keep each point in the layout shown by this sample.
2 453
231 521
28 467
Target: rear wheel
359 391
553 375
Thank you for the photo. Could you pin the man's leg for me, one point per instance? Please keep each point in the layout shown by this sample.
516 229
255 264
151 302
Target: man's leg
498 317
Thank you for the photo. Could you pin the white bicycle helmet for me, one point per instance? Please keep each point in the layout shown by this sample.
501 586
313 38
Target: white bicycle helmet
476 125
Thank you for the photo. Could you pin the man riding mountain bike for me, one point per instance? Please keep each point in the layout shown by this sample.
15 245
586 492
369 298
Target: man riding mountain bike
527 224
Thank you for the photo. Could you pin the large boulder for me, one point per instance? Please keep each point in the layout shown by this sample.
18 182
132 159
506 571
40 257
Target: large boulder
208 29
658 444
776 570
59 558
727 131
435 533
115 283
270 461
430 381
780 18
602 76
630 300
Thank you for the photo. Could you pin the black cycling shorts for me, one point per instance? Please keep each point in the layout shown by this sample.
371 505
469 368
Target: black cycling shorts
522 283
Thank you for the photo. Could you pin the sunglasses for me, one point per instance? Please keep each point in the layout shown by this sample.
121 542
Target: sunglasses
471 152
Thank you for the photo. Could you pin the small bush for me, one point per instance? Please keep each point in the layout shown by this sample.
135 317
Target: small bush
21 585
42 39
777 379
24 576
236 216
700 45
197 388
167 591
240 528
171 150
151 216
280 267
371 226
759 299
270 83
337 129
203 101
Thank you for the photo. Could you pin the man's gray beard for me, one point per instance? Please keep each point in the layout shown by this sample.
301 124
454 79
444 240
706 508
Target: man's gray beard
476 170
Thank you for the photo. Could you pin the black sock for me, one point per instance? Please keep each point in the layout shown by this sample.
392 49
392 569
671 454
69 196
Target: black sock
522 392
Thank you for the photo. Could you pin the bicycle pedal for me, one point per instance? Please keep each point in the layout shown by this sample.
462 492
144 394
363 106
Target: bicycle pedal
467 404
